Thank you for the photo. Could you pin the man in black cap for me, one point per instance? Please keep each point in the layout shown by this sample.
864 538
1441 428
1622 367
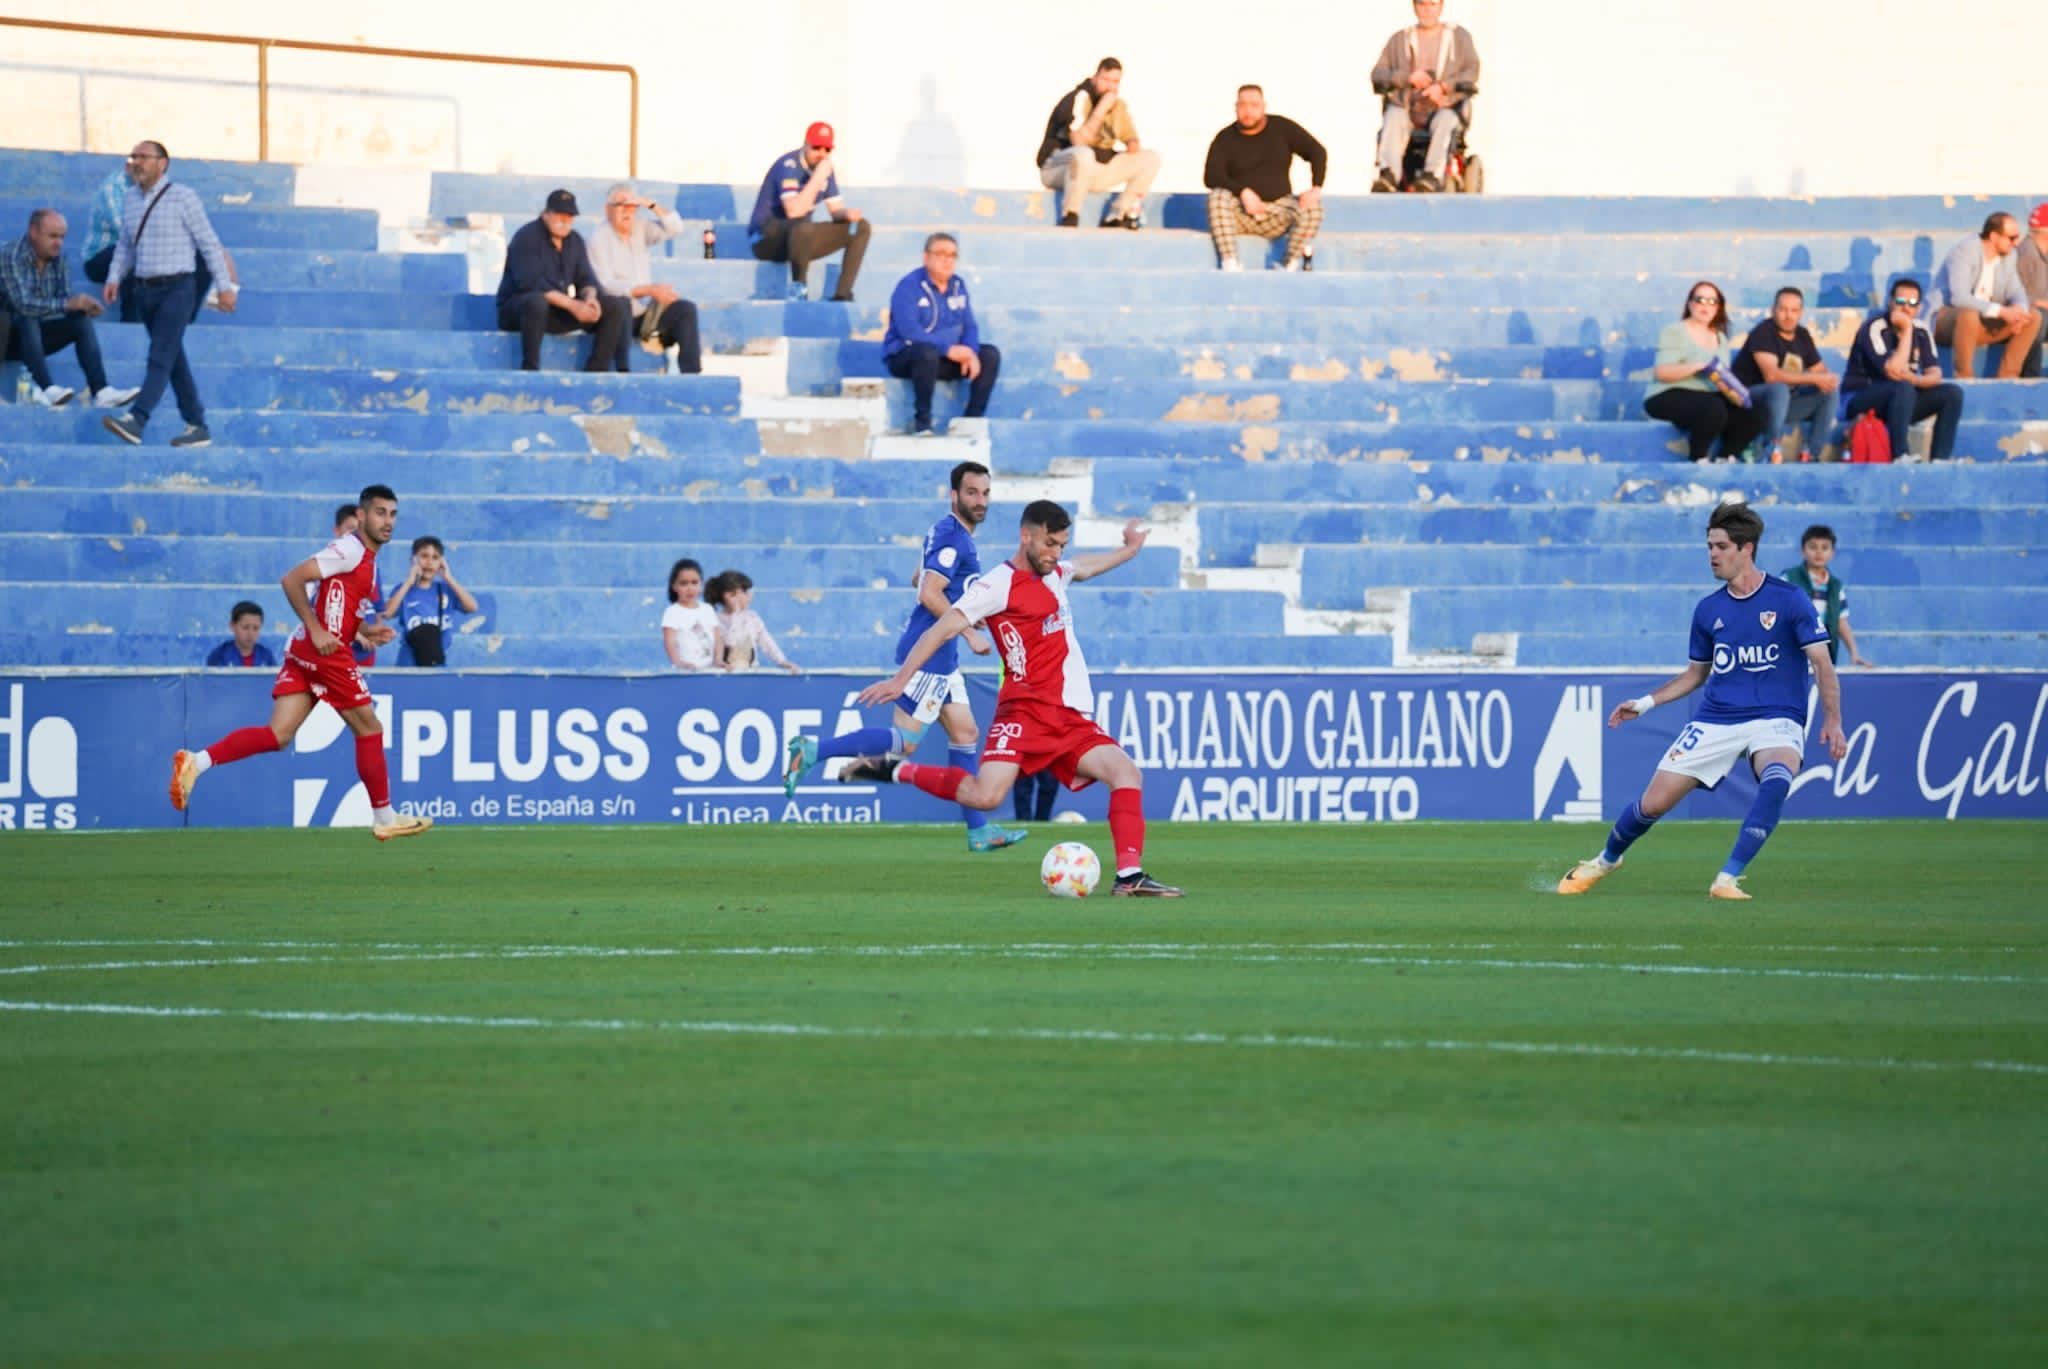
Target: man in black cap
549 287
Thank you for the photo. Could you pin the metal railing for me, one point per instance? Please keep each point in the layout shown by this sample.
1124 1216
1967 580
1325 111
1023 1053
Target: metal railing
264 45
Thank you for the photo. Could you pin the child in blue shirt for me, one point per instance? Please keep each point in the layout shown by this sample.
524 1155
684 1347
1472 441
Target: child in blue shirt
246 647
420 603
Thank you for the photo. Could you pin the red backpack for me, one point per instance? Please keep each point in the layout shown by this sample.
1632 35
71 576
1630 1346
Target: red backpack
1869 440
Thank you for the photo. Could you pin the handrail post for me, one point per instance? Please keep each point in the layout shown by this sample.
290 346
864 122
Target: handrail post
633 138
262 99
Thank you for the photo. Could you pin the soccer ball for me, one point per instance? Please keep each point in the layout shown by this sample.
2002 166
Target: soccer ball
1070 870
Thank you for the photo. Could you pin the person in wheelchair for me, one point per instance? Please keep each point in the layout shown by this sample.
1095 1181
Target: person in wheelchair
1426 78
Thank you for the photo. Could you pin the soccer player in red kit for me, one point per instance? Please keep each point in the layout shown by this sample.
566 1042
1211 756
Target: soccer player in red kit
318 667
1043 712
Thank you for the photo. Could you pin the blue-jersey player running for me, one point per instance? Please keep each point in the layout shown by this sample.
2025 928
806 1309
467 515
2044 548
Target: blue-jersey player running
1752 642
950 563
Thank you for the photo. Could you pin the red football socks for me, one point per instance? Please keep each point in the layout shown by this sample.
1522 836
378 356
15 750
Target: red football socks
370 766
940 781
1127 828
242 744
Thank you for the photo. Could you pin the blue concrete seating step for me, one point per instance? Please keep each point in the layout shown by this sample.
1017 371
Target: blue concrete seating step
1231 535
334 390
28 170
641 651
287 227
199 608
1445 565
619 434
1131 488
699 475
234 557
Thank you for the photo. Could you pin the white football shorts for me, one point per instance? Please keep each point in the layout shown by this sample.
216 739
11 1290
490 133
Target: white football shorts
1708 751
928 693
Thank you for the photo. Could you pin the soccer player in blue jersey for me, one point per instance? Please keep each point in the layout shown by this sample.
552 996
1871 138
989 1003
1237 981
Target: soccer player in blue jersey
950 563
1752 643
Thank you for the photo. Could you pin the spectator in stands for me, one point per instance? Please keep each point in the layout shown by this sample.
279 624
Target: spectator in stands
689 626
421 604
932 335
1688 387
2033 267
1787 379
35 288
1978 298
345 519
246 647
548 286
618 253
1033 797
1091 142
1894 371
1250 188
105 230
166 244
1830 596
1424 78
746 638
781 228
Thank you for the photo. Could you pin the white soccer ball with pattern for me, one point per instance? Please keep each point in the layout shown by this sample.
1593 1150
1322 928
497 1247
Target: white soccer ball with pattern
1070 870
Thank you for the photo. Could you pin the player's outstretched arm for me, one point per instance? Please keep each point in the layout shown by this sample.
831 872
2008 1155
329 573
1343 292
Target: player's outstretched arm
937 635
298 583
1677 687
1088 567
1830 686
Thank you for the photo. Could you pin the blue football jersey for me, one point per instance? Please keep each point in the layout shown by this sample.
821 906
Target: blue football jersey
1755 649
949 552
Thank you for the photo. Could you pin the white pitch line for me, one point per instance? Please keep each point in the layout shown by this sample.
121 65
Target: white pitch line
1065 1035
230 943
1074 953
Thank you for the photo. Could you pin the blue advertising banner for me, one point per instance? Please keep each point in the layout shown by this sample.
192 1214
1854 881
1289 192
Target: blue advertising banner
84 752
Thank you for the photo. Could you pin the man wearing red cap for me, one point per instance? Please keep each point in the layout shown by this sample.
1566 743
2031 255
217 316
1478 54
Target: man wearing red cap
781 228
2033 258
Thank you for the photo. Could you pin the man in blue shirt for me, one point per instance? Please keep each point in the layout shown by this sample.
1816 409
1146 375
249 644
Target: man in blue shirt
949 564
1752 642
549 286
932 335
1893 371
781 228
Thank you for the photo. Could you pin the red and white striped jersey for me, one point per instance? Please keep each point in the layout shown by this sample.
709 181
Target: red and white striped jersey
347 592
1032 624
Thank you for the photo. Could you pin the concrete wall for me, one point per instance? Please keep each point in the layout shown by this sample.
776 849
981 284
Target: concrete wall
1582 96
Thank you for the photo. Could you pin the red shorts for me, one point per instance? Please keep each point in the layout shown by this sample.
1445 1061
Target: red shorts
332 679
1037 737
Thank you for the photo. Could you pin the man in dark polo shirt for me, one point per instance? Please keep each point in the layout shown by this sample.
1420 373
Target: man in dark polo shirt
1788 382
1250 189
781 227
549 287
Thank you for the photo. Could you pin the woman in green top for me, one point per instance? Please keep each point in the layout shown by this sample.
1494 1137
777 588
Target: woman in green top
1681 393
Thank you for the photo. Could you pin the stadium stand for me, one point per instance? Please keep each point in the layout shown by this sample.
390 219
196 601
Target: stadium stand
1430 450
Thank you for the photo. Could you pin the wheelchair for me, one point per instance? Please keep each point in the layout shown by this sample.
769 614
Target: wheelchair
1464 173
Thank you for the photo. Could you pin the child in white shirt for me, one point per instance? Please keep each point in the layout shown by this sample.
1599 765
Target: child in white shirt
689 626
742 631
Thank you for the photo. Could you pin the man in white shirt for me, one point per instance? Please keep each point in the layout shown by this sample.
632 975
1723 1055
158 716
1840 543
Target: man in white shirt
619 255
1978 299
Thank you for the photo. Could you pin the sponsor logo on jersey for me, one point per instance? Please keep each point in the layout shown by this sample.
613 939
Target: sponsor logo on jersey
1013 649
1753 660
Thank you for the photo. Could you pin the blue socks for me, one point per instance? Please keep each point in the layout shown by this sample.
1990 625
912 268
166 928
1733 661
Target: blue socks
968 758
1627 828
1772 789
868 741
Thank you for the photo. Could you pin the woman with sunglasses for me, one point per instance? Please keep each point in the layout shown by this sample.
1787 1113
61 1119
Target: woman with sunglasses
1682 389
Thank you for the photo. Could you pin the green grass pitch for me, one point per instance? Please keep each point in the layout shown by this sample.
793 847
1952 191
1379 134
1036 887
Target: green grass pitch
731 1096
